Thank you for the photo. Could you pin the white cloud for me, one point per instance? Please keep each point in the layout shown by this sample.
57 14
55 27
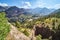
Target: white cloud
26 4
39 4
42 4
3 4
57 6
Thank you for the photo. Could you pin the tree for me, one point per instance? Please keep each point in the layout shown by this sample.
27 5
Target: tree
4 26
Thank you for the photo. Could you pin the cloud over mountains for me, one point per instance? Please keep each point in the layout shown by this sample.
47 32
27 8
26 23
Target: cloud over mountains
3 4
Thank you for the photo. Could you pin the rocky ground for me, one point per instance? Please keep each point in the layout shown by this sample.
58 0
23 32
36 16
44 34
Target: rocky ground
14 34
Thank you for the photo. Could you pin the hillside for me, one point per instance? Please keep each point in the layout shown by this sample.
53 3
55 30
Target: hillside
14 34
56 13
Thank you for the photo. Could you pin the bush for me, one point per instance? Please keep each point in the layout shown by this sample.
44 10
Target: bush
38 37
4 27
18 24
26 32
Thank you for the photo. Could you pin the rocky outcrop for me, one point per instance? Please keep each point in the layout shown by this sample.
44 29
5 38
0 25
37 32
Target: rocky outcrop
45 32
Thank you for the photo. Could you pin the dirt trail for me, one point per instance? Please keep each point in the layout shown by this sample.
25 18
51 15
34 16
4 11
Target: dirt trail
17 35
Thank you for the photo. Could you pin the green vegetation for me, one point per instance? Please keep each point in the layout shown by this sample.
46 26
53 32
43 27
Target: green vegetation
38 37
26 32
4 26
51 25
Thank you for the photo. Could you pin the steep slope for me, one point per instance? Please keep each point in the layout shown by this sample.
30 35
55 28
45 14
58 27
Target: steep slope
16 35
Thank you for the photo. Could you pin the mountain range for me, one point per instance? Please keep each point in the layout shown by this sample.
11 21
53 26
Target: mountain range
13 11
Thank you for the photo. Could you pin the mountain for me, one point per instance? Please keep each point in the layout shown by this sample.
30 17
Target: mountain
55 13
14 11
3 8
42 11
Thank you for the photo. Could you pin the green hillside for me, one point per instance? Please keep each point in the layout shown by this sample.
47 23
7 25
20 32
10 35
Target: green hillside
4 26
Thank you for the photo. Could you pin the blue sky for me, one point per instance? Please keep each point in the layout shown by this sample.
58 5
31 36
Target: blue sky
31 3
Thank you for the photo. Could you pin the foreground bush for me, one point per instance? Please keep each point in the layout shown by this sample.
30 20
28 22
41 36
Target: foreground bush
4 27
38 37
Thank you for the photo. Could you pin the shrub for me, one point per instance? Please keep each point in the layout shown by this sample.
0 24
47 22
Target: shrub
18 24
38 37
4 27
26 32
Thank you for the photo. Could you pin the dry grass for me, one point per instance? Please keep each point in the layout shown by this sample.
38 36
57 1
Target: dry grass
9 37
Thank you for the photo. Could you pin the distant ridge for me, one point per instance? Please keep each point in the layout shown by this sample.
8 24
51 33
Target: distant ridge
56 13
